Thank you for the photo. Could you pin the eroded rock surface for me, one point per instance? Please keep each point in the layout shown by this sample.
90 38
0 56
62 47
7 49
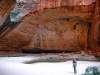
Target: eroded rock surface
64 28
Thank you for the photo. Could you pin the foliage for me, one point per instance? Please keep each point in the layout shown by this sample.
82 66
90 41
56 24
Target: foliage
95 70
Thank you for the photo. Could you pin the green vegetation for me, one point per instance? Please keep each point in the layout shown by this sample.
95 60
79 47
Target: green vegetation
45 60
95 70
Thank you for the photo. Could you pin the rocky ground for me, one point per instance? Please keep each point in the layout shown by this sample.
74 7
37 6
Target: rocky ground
67 56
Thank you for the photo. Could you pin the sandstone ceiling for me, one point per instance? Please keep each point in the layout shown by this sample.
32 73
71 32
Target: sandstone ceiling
24 7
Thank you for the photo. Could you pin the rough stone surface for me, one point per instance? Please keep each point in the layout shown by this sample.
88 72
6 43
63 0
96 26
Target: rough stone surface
82 53
64 28
5 8
50 30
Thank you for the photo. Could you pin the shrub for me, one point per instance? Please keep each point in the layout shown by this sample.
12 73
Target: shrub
95 70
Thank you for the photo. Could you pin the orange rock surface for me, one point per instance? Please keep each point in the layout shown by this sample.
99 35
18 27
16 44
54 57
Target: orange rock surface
64 28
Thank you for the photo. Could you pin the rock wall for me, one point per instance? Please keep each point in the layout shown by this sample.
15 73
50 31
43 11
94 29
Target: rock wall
5 8
95 31
59 29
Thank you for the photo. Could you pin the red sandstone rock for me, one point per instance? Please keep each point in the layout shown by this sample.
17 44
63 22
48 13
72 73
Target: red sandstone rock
48 30
89 52
82 53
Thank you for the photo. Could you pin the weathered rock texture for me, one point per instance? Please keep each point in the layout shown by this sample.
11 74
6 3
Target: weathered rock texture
64 28
95 30
5 8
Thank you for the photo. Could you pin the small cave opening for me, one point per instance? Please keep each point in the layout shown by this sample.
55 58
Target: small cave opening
75 25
